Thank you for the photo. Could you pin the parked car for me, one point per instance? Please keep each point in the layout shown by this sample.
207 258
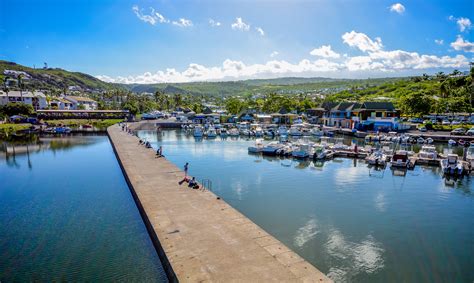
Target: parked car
458 131
455 123
446 122
422 129
470 132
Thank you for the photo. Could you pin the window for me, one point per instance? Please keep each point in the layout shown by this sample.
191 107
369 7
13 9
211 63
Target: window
378 114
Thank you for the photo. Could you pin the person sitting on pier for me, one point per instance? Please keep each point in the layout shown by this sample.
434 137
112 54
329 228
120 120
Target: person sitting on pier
140 142
159 152
193 184
148 144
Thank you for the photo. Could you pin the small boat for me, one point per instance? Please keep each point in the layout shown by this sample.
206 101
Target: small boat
223 133
452 142
377 158
62 130
257 148
428 152
234 132
211 133
258 132
295 132
316 132
461 142
420 140
470 155
282 131
400 159
271 148
198 132
321 152
301 151
451 165
429 140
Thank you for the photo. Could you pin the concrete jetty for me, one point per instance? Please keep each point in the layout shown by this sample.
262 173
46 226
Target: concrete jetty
198 236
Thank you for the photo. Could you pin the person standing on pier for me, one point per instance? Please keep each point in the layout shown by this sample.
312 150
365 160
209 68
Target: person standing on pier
186 166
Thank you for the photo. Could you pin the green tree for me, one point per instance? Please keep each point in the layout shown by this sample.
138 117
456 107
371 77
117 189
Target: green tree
17 108
131 106
416 103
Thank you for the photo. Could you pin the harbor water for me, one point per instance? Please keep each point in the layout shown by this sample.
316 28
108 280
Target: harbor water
354 223
67 214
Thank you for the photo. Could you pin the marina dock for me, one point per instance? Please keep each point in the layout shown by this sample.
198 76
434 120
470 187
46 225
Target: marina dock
198 236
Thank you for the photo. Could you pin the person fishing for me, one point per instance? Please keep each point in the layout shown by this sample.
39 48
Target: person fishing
186 167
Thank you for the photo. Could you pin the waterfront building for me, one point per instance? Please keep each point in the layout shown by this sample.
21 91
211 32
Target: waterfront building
78 101
60 104
36 99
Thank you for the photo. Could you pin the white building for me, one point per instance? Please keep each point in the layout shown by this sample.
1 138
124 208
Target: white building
36 99
61 104
77 101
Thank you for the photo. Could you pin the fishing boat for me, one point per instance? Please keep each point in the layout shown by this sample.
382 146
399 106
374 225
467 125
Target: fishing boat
400 159
428 152
451 165
198 132
271 148
257 148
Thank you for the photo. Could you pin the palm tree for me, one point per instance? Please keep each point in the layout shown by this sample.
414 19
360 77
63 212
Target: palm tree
5 87
20 85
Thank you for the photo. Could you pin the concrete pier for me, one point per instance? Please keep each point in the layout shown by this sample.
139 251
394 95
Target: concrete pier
198 236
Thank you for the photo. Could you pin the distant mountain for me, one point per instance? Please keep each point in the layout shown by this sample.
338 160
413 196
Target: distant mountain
53 78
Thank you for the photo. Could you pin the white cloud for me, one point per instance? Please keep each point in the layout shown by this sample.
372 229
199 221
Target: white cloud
362 41
375 59
439 41
464 24
260 31
182 22
398 8
240 25
325 51
151 19
160 17
274 54
462 45
214 23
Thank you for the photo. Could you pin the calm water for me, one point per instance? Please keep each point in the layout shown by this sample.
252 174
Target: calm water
354 223
67 215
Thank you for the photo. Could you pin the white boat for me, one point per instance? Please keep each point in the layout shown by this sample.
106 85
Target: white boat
429 140
282 131
301 150
258 132
198 132
233 132
420 140
452 142
211 133
377 158
223 133
470 155
428 152
316 132
400 159
271 148
295 131
321 152
451 165
257 148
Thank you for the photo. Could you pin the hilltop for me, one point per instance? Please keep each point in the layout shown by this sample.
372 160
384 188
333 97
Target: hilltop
55 78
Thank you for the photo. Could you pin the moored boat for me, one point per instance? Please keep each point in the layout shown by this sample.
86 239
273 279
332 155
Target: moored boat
451 165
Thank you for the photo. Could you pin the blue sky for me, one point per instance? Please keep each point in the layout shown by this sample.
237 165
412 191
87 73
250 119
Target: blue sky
168 40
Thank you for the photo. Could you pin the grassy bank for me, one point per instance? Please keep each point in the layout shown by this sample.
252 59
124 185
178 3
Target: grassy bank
79 122
7 129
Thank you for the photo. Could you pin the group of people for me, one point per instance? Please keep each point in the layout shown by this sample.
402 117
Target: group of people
192 183
125 128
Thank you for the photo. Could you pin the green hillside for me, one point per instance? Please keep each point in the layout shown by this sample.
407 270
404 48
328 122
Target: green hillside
55 78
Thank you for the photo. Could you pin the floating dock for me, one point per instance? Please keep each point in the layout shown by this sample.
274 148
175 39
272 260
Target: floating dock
198 236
